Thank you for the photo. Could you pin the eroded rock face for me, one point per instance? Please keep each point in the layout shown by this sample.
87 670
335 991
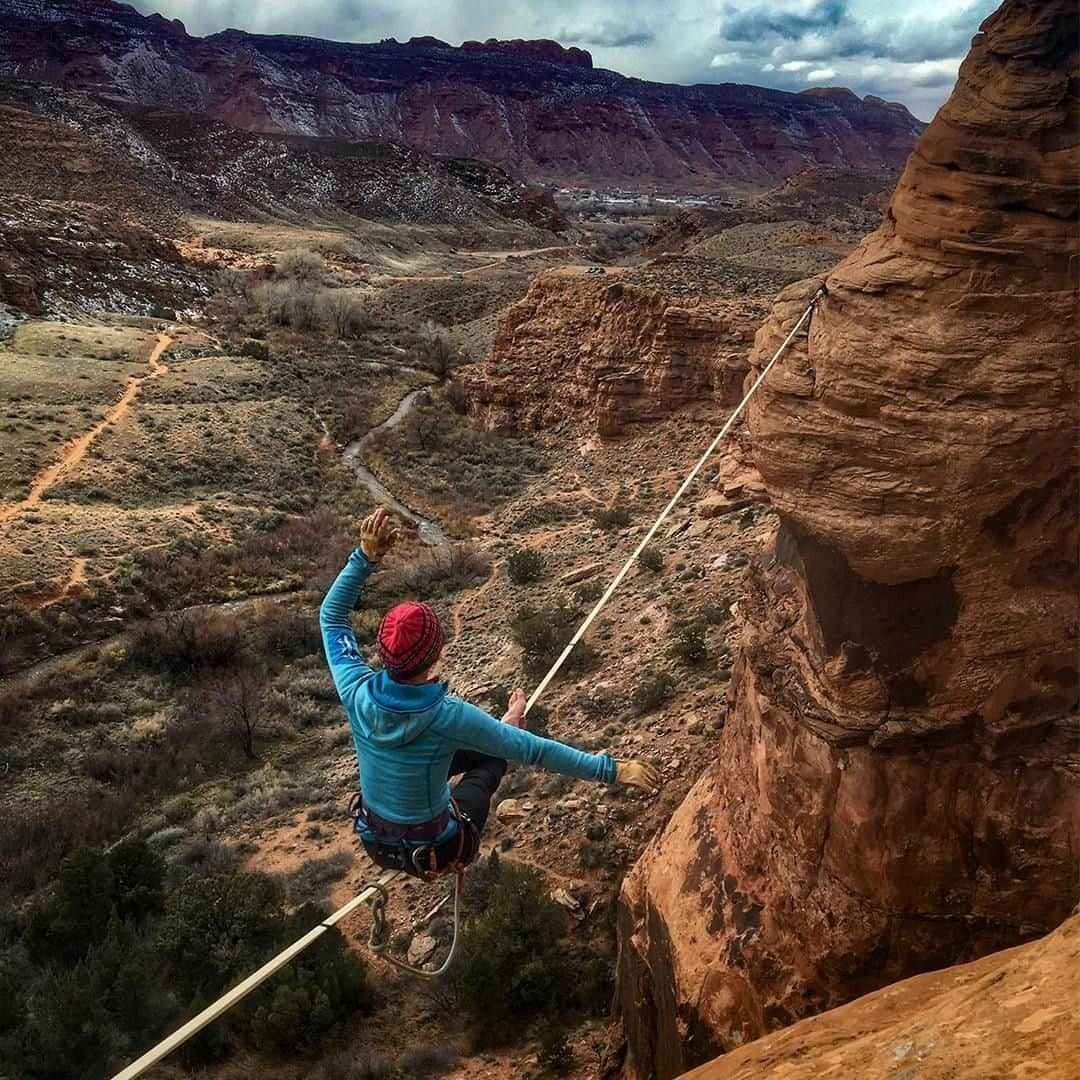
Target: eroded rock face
1008 1014
896 785
532 107
607 353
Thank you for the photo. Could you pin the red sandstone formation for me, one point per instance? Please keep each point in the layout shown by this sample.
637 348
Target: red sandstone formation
1009 1014
532 107
896 785
617 352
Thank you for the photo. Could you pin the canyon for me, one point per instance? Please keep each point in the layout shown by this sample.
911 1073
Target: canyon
538 110
895 787
251 286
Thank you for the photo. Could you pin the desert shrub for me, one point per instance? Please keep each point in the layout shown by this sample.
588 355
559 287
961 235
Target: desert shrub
716 614
311 996
437 354
213 929
457 397
651 558
79 713
652 692
553 1052
428 1061
186 643
280 633
343 312
90 889
301 264
689 645
287 303
543 634
436 570
480 881
237 700
257 350
525 565
515 946
138 874
77 913
310 881
615 517
83 1021
589 592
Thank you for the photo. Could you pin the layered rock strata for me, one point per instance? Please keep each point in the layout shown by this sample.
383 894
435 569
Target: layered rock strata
607 353
896 787
532 107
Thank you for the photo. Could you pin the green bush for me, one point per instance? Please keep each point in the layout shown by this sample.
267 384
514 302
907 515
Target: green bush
138 879
543 634
214 929
652 692
77 913
689 646
86 1020
513 966
311 996
525 566
615 517
651 558
90 888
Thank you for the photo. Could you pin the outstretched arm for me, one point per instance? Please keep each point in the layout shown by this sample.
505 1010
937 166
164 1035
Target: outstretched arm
347 665
474 729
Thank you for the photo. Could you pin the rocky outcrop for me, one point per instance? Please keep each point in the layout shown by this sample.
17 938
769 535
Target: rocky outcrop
532 107
1008 1014
896 786
604 353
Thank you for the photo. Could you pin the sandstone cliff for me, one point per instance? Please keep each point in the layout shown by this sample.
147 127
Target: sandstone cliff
896 785
608 353
534 108
1009 1014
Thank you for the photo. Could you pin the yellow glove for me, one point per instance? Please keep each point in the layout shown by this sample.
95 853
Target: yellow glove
637 774
378 534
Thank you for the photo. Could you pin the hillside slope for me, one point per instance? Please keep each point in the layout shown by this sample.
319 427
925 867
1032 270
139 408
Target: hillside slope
533 108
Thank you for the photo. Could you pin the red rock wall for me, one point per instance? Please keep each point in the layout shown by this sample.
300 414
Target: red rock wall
534 108
606 353
896 787
1008 1014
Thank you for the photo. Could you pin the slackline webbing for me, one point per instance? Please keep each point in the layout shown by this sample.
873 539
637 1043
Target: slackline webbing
257 978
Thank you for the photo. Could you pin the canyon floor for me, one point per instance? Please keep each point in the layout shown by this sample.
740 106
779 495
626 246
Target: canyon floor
168 464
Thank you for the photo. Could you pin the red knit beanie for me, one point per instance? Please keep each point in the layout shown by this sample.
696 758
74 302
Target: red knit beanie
410 639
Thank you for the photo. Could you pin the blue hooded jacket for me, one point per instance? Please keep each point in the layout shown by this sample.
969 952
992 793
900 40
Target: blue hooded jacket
405 735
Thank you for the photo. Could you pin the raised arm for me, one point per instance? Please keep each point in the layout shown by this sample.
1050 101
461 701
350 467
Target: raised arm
347 665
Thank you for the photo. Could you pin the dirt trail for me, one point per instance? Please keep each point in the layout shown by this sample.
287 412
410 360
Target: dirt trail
76 450
472 598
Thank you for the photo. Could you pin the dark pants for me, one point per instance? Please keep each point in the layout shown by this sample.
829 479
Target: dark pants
480 777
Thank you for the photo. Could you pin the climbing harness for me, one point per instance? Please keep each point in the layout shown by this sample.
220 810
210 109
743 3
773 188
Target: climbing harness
375 892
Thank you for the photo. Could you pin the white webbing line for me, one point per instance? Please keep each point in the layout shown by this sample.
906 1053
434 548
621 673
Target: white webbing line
670 506
241 990
257 978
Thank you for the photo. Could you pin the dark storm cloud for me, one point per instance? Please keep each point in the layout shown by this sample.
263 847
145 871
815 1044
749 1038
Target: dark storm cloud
752 26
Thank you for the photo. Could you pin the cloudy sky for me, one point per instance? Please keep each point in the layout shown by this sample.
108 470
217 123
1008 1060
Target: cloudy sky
905 50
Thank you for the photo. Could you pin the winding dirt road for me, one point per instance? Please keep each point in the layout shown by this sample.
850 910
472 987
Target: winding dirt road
75 450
